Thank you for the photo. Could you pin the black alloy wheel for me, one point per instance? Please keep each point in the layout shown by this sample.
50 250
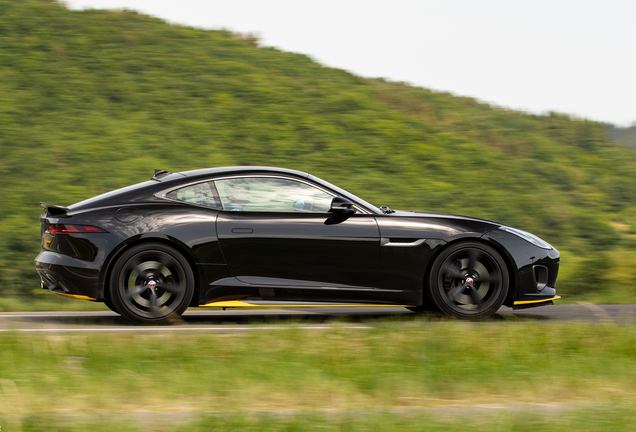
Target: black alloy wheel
150 283
469 280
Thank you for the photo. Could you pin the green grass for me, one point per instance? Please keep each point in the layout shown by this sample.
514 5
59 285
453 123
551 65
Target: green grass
398 365
49 302
401 375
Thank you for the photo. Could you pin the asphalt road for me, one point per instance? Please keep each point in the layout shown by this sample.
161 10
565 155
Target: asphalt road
234 320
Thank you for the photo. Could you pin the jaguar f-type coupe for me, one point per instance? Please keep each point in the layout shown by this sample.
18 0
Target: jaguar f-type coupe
260 236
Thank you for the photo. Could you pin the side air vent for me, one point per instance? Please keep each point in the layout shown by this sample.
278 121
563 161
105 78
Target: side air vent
401 242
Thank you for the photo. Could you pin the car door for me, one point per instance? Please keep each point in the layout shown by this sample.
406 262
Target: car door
278 231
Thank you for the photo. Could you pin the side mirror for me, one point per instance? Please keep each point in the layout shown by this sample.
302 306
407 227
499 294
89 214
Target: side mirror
341 206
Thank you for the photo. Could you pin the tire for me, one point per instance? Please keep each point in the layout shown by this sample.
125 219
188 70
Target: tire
111 306
468 280
150 283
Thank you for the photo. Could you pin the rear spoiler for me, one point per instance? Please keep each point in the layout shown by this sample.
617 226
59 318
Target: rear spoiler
53 209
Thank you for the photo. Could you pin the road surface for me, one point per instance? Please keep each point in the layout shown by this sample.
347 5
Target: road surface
233 320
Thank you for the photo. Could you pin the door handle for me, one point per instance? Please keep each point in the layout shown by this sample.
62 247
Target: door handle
242 230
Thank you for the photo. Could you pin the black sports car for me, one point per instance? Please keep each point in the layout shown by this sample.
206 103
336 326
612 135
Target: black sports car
259 236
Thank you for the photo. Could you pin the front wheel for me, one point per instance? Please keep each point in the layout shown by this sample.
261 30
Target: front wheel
469 280
150 283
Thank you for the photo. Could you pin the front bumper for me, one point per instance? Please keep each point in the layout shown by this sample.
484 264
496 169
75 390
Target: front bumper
534 270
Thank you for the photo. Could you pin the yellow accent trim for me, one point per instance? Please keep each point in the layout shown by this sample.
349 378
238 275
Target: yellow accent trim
536 301
228 303
236 303
74 296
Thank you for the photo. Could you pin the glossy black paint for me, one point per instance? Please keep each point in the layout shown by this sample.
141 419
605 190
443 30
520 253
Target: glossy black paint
302 247
368 256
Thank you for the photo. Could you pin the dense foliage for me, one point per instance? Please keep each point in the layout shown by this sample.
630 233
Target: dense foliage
95 100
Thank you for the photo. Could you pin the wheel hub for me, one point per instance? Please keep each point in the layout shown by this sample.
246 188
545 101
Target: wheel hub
469 281
152 284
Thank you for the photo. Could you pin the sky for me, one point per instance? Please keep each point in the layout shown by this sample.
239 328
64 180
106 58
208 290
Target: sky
576 57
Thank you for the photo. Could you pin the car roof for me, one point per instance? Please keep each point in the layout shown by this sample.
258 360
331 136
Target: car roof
204 172
133 192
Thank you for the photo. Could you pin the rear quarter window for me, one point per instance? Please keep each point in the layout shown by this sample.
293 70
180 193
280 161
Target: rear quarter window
200 194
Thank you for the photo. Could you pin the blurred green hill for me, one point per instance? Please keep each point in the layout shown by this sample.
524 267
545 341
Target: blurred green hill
623 135
95 100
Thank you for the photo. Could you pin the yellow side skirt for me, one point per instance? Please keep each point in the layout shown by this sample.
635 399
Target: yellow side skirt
74 296
536 301
237 303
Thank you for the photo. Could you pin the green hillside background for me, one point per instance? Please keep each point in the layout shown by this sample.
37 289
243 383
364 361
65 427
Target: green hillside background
95 100
623 135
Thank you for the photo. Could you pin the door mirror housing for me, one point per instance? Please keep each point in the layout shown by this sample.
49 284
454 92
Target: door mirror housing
341 205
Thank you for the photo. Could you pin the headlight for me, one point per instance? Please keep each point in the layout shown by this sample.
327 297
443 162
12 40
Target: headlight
527 237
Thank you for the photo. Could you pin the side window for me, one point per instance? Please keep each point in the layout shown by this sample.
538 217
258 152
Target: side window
268 194
200 193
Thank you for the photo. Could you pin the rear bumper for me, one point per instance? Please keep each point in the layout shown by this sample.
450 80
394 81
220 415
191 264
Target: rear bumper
67 276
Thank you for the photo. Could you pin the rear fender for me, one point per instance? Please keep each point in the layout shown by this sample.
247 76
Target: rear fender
104 280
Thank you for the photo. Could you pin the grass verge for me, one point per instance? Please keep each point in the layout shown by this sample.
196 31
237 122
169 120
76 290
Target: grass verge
595 419
396 365
47 303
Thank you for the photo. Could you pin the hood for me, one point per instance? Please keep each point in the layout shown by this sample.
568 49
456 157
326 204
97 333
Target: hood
433 215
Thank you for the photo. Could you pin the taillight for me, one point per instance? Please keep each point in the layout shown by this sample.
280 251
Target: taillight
60 228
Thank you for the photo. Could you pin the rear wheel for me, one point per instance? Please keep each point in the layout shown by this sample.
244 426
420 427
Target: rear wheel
469 280
150 283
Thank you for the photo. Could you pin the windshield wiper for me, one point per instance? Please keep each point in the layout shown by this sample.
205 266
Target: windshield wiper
386 210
